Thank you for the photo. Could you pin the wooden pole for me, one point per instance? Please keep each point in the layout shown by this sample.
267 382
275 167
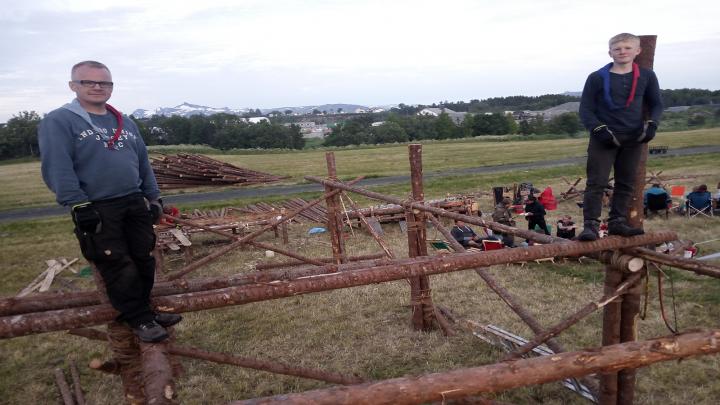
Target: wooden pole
420 294
63 387
507 375
630 307
371 230
77 388
398 269
157 374
334 220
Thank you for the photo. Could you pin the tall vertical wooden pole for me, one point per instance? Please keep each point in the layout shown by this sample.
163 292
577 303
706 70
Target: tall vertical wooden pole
607 394
630 307
334 218
420 297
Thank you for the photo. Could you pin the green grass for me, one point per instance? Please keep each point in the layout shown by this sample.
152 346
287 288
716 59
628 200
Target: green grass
365 330
23 187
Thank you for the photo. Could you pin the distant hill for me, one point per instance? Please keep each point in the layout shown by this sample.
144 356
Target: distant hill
572 106
308 109
187 110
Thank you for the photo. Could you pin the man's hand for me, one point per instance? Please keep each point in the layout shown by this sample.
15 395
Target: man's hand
649 133
603 134
156 210
86 218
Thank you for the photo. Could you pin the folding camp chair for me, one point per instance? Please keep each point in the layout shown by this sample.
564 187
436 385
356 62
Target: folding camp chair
677 193
695 208
657 203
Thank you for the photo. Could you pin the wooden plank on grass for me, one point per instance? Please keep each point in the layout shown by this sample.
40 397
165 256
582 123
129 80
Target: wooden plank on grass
180 236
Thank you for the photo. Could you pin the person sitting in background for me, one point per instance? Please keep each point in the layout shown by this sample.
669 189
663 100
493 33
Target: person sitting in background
652 192
465 235
699 198
566 227
535 214
656 189
502 215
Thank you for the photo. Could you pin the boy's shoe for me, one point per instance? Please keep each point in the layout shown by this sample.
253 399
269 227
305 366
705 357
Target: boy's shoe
590 232
150 332
166 320
621 228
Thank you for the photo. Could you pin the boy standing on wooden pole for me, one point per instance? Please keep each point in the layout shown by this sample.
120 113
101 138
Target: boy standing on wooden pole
611 108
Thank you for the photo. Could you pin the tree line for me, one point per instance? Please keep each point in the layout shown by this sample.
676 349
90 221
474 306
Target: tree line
18 137
404 128
222 131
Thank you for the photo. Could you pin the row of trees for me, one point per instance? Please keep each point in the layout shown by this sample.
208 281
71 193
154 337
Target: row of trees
404 128
18 137
222 131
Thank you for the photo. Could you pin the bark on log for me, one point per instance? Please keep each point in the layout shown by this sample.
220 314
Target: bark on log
696 266
507 375
325 260
158 383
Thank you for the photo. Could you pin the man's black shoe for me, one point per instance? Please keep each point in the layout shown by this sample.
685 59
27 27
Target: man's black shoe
166 320
590 232
621 228
150 332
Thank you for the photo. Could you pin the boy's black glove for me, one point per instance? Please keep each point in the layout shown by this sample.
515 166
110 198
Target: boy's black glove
156 210
649 133
86 218
603 134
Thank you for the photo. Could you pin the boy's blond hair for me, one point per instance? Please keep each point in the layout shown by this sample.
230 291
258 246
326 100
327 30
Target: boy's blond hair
623 37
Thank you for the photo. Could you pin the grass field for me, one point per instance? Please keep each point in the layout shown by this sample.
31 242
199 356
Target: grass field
23 187
365 330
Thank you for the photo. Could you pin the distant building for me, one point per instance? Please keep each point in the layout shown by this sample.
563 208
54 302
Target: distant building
257 120
456 117
377 123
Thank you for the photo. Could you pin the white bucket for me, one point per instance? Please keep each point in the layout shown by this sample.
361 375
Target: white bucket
269 253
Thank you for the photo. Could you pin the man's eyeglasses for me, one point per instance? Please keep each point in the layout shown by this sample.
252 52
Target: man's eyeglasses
91 83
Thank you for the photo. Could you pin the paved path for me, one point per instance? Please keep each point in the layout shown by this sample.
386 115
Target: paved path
40 212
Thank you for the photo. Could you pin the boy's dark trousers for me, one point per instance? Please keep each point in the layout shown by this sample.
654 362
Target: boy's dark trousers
122 253
539 222
623 160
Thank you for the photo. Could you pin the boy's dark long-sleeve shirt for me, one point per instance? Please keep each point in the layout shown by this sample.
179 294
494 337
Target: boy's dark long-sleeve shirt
594 110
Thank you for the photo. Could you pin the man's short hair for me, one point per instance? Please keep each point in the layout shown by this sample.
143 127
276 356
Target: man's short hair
90 63
656 185
623 37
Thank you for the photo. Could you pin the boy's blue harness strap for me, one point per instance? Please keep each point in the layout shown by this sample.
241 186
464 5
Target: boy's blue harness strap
604 72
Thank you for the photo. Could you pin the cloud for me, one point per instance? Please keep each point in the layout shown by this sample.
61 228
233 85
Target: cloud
258 53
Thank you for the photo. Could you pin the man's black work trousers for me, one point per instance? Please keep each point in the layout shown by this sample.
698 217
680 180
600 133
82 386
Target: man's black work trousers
601 159
122 252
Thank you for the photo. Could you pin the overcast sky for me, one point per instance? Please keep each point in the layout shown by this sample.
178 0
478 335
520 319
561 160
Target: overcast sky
266 54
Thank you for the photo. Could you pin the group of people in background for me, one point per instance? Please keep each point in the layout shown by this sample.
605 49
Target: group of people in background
657 198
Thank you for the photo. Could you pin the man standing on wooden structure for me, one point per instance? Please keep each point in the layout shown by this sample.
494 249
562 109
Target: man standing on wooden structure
95 162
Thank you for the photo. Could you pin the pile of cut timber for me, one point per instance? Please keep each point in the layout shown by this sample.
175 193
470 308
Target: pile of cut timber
190 170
